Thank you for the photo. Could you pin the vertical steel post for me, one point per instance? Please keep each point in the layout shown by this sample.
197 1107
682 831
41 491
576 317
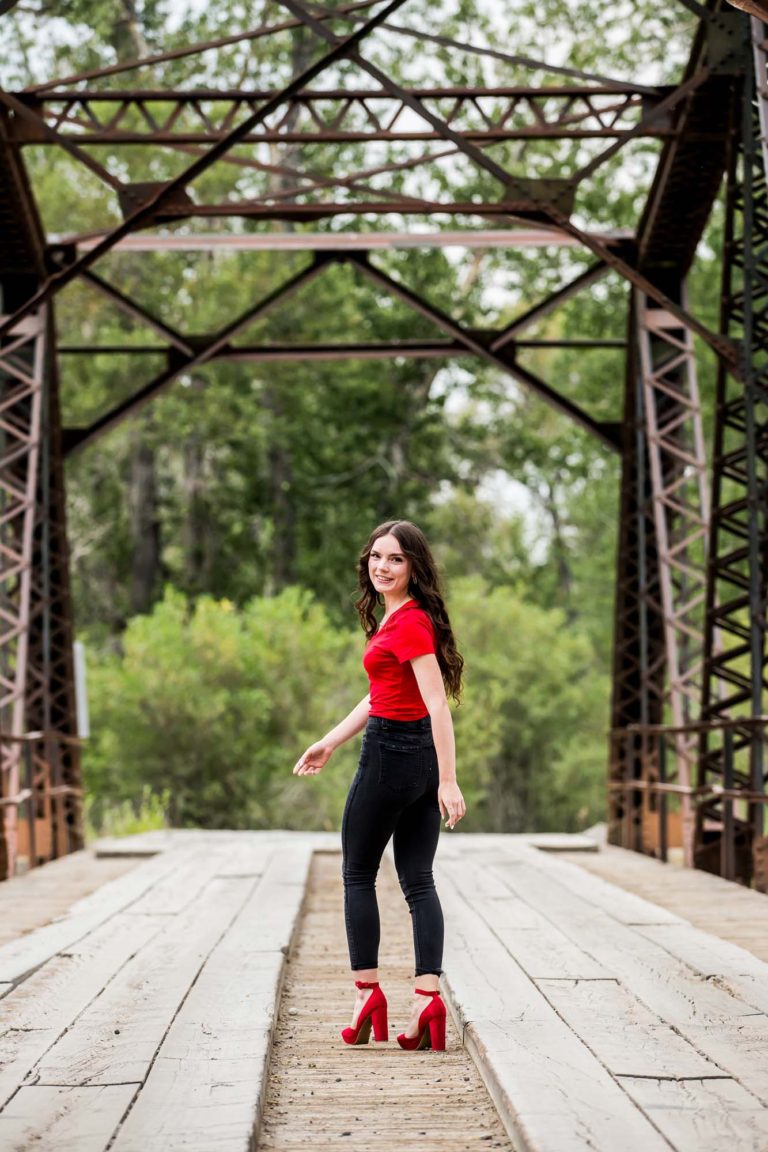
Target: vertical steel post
680 501
736 600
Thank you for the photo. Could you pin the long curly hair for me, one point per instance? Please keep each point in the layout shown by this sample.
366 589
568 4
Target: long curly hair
424 587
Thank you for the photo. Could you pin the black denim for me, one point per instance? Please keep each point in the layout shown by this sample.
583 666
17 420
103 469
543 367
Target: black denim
393 794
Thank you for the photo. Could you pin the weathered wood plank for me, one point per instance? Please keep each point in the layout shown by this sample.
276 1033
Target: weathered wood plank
740 1046
481 974
115 1039
22 956
39 1010
533 1064
628 1038
56 1119
534 942
623 906
702 1114
726 964
206 1086
555 1095
179 888
667 986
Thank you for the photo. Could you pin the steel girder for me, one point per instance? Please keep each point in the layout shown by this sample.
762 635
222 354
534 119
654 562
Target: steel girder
39 757
677 465
736 676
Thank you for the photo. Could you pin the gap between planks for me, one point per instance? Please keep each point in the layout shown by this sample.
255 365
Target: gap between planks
322 1093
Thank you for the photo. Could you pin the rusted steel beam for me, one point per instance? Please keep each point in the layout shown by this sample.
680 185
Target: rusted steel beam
645 125
479 347
192 49
23 115
337 241
522 202
673 220
354 350
207 350
338 115
680 500
143 203
136 312
722 345
514 60
553 301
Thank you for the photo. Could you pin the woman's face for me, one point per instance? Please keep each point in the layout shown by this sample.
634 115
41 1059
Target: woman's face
388 568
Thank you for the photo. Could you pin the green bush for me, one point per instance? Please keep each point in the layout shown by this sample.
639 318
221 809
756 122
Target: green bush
208 707
215 705
531 732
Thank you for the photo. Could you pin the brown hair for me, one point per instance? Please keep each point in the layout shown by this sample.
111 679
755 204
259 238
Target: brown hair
424 587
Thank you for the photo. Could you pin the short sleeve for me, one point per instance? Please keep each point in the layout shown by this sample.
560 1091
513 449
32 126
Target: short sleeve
414 636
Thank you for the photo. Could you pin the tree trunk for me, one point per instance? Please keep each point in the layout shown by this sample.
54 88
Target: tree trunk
145 522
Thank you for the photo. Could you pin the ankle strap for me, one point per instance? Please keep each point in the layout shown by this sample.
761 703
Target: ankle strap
362 984
423 992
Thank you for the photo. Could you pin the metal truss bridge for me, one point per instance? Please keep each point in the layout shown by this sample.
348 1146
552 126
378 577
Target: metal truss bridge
687 760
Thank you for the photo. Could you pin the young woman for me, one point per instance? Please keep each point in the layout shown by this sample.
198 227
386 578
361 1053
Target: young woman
406 777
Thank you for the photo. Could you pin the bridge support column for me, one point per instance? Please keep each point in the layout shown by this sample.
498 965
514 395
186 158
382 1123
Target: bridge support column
40 791
735 678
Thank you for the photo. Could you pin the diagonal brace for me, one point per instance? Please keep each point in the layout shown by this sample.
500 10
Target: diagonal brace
507 363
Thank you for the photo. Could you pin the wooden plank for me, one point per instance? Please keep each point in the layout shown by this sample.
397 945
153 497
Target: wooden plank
57 1119
561 842
40 895
668 987
624 1035
21 957
115 1039
533 1065
482 976
555 1095
623 906
533 941
740 1047
728 965
206 1086
41 1008
180 887
702 1114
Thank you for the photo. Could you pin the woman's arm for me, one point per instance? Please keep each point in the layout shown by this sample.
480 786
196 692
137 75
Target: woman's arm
430 681
318 755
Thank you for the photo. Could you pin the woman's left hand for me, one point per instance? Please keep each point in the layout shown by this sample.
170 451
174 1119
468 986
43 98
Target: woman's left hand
451 801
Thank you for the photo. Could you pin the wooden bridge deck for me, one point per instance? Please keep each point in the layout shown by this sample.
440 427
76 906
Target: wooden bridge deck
143 1018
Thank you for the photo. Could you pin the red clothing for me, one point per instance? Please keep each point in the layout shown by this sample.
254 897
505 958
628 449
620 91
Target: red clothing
407 633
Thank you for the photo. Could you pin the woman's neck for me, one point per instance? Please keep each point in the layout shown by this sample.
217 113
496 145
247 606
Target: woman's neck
391 606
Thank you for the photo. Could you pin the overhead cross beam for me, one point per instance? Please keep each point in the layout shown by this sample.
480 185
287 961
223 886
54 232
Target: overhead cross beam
154 198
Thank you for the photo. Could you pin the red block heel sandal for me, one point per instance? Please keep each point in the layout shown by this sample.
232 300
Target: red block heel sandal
431 1032
373 1012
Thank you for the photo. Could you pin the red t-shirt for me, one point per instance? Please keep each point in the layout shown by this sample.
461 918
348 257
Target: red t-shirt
407 633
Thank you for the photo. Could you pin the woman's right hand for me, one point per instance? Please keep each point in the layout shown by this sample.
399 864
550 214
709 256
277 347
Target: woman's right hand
313 760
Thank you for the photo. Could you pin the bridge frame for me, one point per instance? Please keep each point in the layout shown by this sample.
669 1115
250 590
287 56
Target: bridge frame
689 662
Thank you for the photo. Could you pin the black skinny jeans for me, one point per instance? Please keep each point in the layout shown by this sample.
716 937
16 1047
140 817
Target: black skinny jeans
393 794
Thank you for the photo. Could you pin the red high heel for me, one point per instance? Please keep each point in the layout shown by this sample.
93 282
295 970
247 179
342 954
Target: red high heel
431 1032
374 1011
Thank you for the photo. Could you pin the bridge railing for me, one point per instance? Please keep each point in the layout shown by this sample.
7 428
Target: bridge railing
41 817
728 812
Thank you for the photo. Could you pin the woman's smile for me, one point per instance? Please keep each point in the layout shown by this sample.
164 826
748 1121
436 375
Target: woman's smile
389 569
